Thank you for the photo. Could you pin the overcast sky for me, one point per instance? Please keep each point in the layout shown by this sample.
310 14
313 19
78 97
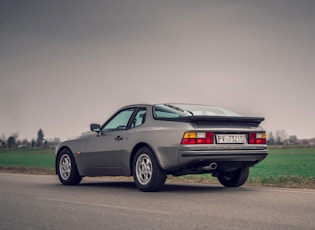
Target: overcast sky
66 64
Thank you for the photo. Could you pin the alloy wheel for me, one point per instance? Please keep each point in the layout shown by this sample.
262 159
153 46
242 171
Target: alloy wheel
144 169
65 167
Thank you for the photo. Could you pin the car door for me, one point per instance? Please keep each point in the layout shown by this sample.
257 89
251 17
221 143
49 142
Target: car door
104 150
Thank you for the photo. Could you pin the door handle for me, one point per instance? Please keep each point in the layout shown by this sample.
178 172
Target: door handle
118 138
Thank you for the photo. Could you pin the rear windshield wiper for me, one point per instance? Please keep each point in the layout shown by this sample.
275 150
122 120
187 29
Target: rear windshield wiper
179 109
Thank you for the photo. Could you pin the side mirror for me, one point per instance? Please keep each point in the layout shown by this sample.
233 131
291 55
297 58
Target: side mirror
95 128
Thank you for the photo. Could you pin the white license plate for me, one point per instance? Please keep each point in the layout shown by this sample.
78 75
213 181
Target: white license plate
231 138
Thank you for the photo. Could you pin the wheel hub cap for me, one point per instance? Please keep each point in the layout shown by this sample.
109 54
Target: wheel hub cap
65 167
144 169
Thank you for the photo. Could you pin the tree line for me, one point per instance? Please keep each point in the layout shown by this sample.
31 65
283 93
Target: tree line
40 142
280 137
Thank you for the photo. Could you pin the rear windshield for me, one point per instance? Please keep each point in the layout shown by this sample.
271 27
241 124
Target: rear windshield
185 110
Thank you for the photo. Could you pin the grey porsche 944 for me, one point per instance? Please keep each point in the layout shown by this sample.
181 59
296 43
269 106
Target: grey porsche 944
151 141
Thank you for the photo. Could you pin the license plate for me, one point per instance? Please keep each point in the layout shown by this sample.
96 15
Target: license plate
231 138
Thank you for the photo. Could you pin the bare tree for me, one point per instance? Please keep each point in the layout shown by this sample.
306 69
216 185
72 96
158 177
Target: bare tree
292 139
271 139
3 138
25 143
3 141
11 142
281 135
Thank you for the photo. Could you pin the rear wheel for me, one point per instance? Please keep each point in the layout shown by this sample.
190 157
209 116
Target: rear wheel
147 173
234 179
67 168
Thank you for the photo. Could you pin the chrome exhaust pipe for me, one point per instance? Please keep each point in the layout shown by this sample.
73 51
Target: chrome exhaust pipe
211 166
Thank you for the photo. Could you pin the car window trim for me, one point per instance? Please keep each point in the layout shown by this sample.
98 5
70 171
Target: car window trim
133 117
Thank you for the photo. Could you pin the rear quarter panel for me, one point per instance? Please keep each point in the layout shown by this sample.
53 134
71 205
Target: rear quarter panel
163 137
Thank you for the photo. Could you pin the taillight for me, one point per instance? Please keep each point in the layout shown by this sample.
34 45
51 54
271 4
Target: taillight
257 138
192 138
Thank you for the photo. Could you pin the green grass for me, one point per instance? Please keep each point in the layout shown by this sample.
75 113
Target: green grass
292 162
285 167
299 164
39 158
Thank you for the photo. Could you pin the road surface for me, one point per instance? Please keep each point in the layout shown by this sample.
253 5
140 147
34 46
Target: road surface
41 202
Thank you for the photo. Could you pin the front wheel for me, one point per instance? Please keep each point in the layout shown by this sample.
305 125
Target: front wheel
234 179
66 168
147 173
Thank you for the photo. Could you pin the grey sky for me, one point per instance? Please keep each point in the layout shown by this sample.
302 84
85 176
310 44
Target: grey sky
65 64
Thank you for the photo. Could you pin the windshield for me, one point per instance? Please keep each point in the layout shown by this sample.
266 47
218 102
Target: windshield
185 110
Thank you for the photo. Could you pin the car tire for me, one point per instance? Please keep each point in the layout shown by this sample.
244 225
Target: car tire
234 179
147 173
67 169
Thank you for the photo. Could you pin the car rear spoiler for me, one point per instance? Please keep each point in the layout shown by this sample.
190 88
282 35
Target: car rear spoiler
253 121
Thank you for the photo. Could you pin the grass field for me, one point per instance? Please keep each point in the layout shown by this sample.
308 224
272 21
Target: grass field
39 158
285 167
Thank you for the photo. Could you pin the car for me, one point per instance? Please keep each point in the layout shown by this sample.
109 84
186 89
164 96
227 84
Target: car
151 141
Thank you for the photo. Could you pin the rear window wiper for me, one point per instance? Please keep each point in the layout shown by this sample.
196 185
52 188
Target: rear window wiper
179 109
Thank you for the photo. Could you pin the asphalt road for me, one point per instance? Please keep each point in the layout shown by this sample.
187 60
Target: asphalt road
41 202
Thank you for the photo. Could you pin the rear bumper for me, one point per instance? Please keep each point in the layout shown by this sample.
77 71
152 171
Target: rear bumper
237 155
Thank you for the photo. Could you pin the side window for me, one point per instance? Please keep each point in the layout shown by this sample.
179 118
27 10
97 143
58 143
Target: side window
139 118
120 121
